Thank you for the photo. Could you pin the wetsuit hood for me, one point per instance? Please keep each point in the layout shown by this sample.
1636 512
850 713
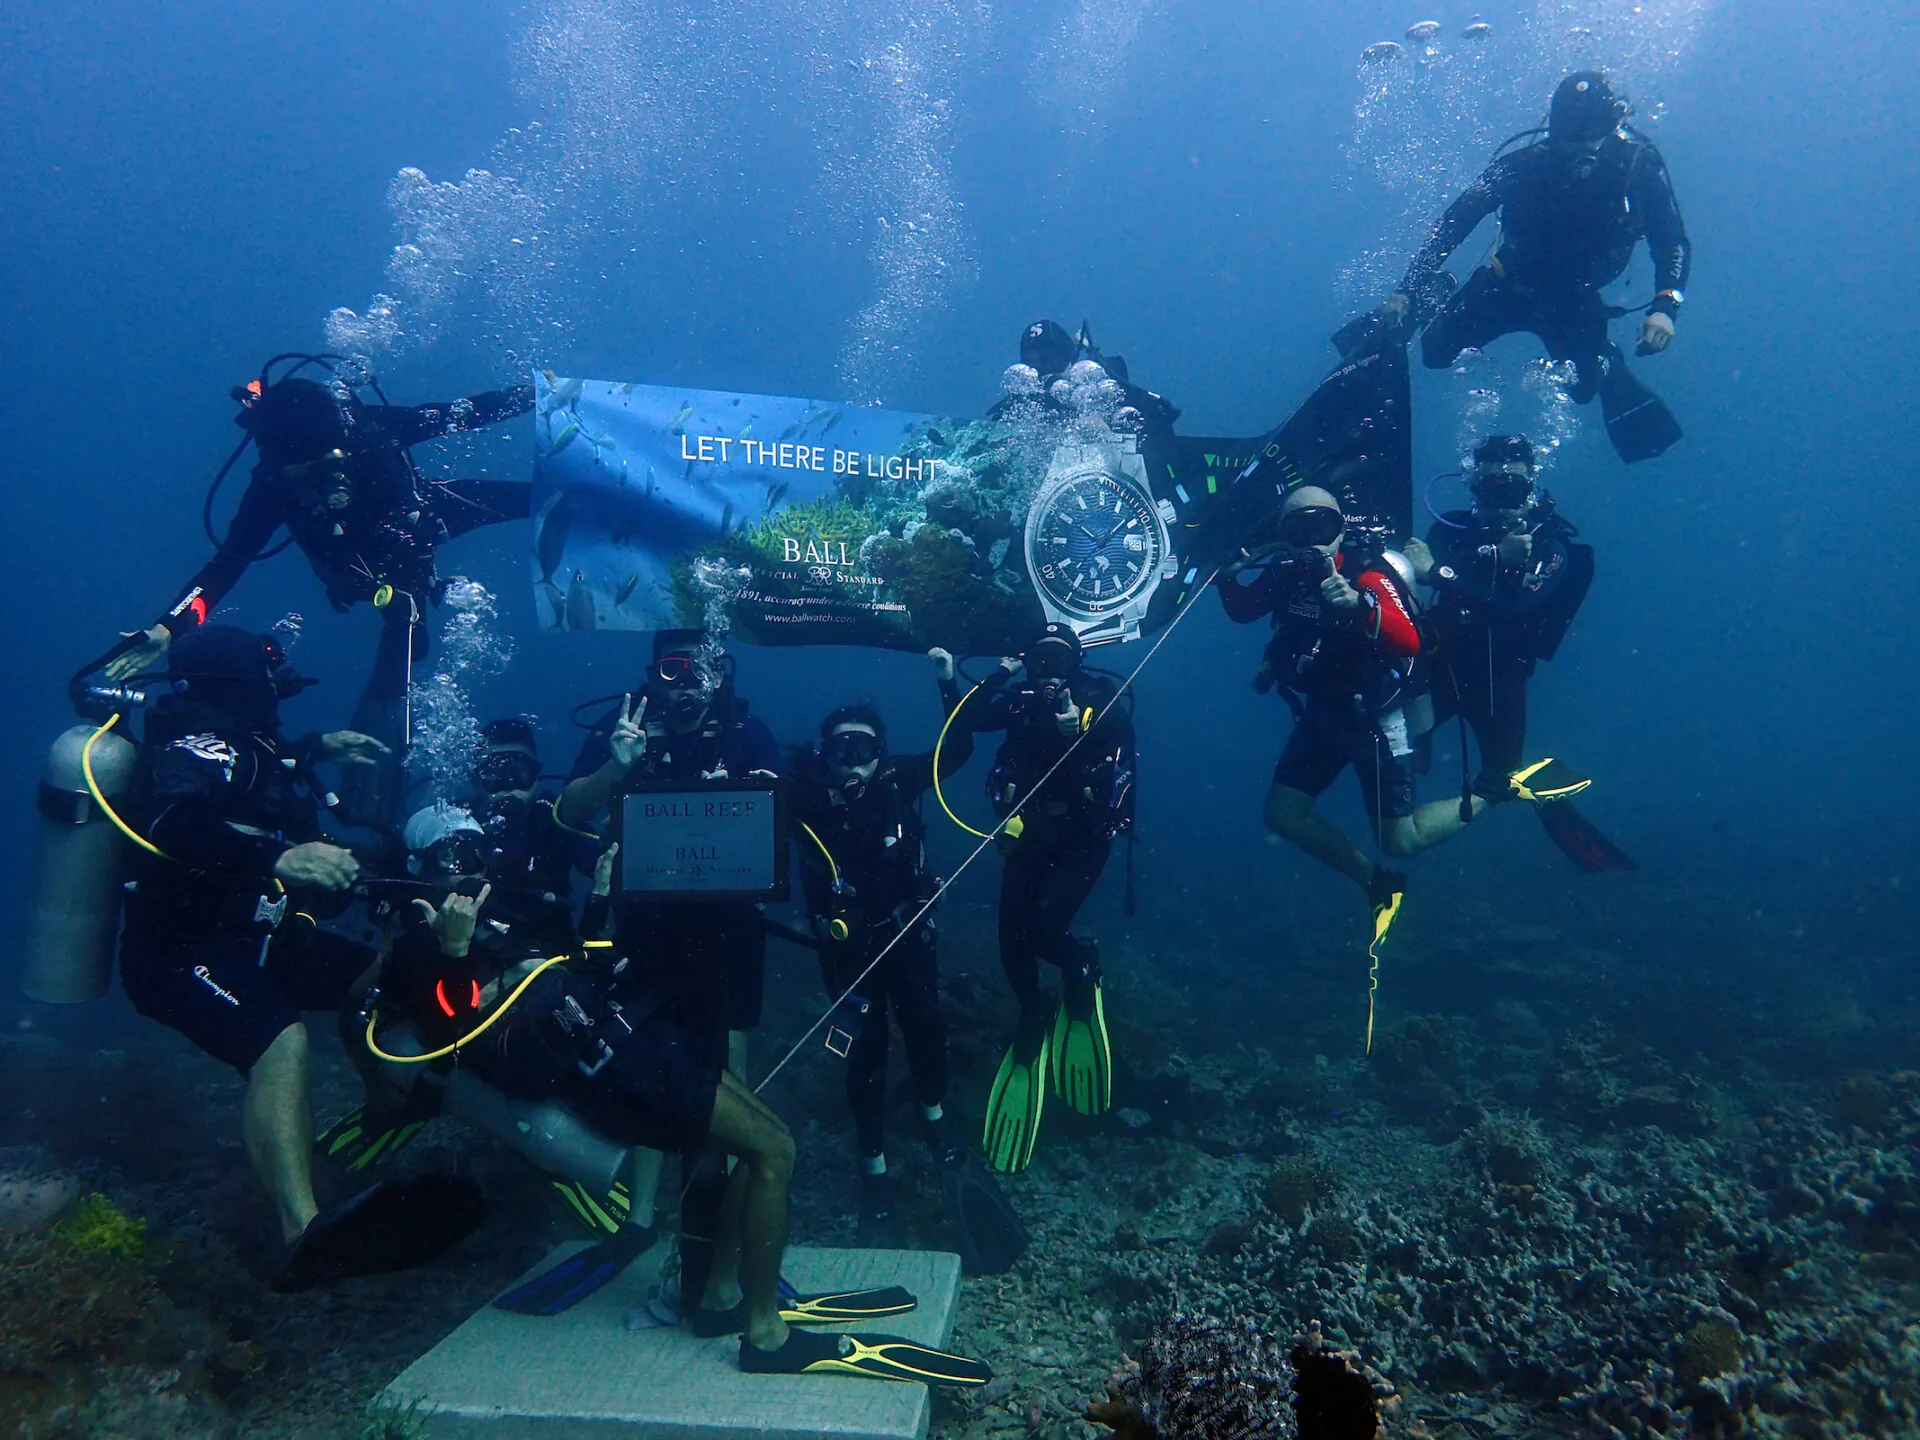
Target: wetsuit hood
235 672
297 418
1584 108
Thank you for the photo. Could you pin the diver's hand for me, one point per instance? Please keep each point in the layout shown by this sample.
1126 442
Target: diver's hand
350 747
603 870
942 664
1338 594
628 742
1656 334
1067 718
1515 550
1420 557
453 923
316 865
142 656
1396 305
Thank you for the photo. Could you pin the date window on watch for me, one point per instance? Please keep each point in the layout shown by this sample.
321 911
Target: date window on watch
1136 542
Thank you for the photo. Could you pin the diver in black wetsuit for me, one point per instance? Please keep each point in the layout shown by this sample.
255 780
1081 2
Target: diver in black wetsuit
336 474
862 847
1050 352
1571 207
1507 576
1063 782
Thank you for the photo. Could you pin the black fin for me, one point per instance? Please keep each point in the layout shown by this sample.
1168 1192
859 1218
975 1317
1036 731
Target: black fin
1638 421
1580 841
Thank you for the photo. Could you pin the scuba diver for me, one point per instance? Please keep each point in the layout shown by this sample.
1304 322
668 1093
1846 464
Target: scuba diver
507 832
336 473
544 1014
688 726
1343 658
862 845
1056 847
1050 352
1507 577
219 944
1572 205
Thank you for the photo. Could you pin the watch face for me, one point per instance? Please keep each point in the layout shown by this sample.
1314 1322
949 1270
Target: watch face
1096 543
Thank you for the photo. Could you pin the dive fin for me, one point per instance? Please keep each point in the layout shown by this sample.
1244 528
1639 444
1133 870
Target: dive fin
602 1214
1385 894
1580 841
879 1357
839 1307
579 1275
988 1235
394 1225
362 1139
1019 1095
1638 421
1375 325
1547 781
1081 1052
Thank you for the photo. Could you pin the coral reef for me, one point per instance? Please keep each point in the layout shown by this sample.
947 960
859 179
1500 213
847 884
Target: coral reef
1200 1378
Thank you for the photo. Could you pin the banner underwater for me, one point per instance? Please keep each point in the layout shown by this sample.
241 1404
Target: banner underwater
788 521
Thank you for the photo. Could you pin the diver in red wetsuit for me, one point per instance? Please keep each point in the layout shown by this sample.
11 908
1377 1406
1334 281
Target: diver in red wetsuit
1342 656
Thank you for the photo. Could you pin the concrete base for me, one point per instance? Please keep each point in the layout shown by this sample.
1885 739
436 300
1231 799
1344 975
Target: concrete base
583 1374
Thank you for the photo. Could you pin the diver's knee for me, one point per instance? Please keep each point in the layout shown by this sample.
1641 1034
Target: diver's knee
1286 808
1400 837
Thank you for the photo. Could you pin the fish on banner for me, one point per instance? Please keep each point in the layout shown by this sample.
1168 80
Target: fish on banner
792 521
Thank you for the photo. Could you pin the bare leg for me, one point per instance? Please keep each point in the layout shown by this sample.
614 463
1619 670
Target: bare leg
641 1173
743 1126
1432 823
1289 814
278 1125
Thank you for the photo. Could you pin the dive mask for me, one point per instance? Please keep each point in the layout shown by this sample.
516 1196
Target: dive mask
1312 527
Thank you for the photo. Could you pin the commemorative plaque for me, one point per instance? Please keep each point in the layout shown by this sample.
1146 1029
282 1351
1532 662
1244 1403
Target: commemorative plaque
719 840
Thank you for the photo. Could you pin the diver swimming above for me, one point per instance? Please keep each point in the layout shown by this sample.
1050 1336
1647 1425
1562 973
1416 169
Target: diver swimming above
1051 353
336 473
1572 205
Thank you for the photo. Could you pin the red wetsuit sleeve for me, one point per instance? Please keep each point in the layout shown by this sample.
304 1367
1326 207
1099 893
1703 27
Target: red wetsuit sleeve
1393 626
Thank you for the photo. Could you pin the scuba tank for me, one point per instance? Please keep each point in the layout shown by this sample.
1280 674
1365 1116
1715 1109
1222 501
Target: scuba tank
74 916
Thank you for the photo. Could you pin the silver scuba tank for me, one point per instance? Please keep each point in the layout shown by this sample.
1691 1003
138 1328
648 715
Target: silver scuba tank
80 860
544 1131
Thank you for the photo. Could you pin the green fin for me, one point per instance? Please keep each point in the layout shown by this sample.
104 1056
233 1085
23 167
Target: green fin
1082 1053
877 1357
602 1214
361 1141
1018 1097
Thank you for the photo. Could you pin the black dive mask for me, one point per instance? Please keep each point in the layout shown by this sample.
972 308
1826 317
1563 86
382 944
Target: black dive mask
507 770
1312 526
464 852
502 813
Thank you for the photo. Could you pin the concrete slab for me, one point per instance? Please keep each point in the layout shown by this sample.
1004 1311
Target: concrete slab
583 1374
